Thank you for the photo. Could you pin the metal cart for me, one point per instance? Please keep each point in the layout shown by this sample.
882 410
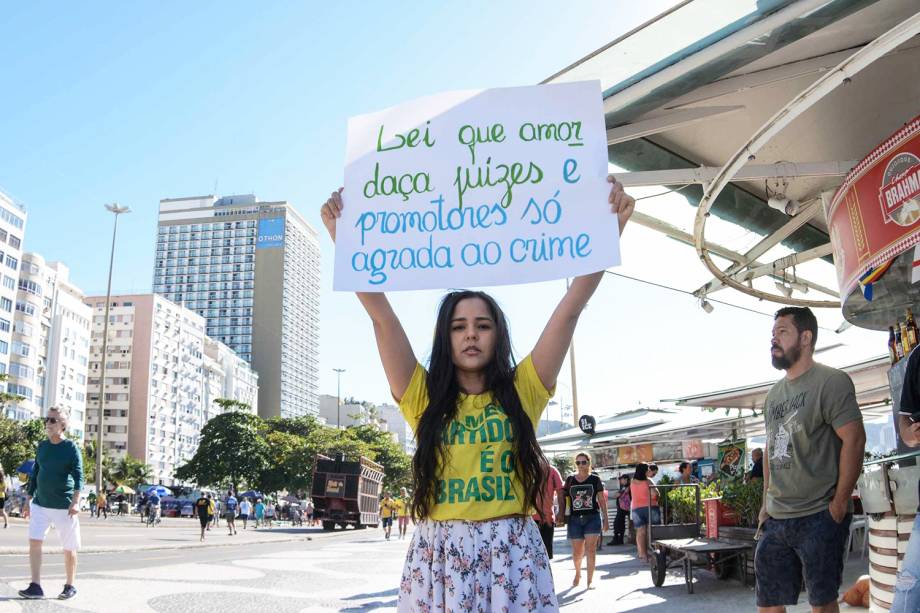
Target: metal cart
680 544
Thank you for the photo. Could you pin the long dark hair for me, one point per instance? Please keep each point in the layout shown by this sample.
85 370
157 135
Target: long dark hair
641 471
443 396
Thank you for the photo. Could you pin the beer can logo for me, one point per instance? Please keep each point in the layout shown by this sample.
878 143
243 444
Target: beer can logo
899 195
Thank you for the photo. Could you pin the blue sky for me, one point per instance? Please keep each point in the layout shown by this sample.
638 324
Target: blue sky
134 102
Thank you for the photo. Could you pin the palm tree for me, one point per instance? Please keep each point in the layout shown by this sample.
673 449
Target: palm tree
131 472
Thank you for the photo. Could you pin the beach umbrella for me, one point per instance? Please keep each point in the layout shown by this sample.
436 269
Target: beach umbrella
123 489
251 494
160 491
26 467
291 498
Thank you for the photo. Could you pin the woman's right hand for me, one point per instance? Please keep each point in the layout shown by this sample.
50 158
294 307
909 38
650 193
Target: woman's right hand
331 211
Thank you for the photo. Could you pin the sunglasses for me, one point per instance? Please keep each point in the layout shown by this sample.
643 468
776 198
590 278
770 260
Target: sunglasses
51 420
581 462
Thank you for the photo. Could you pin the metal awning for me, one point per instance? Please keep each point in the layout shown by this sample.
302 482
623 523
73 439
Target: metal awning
690 91
870 378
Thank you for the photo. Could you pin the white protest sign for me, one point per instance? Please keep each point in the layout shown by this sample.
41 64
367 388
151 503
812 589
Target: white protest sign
477 188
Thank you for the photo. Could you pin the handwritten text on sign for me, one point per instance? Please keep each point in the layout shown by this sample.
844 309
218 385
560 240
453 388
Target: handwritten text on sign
479 188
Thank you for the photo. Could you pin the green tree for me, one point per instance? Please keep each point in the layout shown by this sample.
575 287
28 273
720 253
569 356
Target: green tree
131 472
563 464
397 465
89 464
233 449
18 440
228 404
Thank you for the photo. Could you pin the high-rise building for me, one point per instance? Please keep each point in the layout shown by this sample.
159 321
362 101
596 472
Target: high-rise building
159 391
12 230
49 351
251 270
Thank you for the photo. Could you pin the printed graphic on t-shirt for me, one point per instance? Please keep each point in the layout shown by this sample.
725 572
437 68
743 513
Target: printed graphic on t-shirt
783 423
489 435
582 497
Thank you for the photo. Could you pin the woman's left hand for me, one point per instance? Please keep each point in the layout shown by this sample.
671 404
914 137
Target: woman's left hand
621 203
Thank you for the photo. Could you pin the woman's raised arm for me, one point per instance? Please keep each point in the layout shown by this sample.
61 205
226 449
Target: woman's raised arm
392 342
550 350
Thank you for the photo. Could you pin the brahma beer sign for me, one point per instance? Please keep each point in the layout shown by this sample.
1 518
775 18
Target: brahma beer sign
874 215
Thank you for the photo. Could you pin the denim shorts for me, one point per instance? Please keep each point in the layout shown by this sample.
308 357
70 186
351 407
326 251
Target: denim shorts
814 543
907 588
580 526
639 517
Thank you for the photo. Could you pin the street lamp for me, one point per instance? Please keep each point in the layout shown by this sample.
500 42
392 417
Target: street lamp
338 394
116 210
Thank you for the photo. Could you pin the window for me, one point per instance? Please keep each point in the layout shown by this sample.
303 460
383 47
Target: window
4 325
20 348
14 241
21 370
20 327
6 304
12 262
26 307
9 282
28 286
11 218
19 390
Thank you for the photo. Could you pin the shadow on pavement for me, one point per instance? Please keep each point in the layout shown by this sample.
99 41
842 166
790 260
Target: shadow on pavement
392 592
370 606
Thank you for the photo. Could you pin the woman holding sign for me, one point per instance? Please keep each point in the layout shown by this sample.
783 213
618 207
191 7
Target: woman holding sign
477 467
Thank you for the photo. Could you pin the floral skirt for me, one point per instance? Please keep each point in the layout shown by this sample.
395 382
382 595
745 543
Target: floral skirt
483 566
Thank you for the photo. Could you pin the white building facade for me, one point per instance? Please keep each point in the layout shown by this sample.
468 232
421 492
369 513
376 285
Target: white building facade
158 381
12 232
251 269
49 352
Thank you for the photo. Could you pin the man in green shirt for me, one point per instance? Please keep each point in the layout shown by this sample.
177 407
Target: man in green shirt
54 498
813 456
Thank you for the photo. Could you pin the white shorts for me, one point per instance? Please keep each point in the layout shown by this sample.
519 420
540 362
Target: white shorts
68 526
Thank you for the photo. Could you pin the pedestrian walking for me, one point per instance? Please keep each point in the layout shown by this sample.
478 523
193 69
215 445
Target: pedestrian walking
3 489
582 495
218 511
685 473
53 497
203 509
387 511
259 510
245 511
102 505
482 497
309 509
269 515
640 494
544 516
907 586
623 505
212 509
230 504
655 517
91 501
403 505
812 458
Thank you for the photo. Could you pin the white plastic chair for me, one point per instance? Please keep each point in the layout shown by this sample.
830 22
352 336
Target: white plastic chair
859 522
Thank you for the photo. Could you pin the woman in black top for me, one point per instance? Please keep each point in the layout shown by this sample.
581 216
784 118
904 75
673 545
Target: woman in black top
585 509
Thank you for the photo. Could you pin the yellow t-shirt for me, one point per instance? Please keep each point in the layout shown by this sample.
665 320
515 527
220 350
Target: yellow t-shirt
386 508
478 480
402 507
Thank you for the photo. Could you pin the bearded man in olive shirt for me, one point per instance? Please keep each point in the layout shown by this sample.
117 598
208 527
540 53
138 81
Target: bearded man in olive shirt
813 456
54 498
